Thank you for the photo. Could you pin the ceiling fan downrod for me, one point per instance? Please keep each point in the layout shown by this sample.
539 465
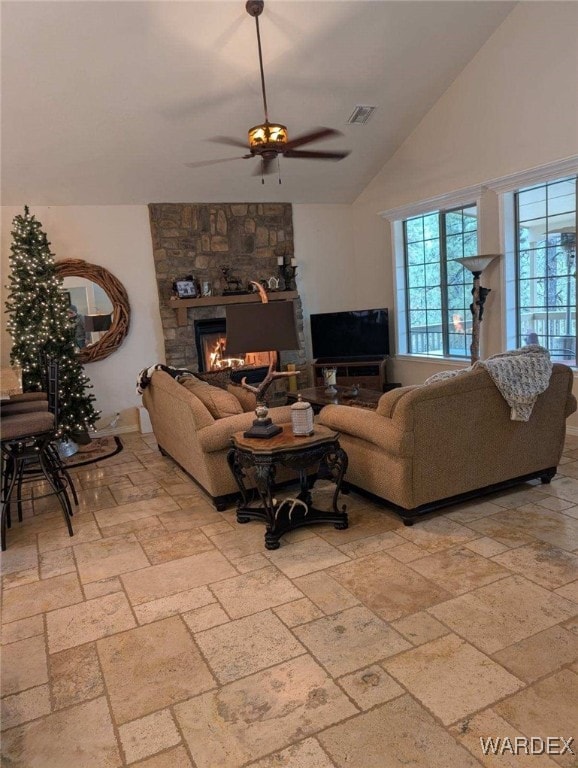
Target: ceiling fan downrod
255 8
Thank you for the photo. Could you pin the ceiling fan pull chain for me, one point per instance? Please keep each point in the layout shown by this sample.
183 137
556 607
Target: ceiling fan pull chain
262 170
279 169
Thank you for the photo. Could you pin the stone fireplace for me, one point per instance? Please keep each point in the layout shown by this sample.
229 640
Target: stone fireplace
199 239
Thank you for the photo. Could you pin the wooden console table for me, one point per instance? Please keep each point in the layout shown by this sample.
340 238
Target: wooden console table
300 453
181 305
318 397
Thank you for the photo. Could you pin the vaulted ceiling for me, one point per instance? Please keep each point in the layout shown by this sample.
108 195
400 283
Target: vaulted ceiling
105 102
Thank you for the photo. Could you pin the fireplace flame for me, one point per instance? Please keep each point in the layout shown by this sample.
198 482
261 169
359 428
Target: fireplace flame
217 357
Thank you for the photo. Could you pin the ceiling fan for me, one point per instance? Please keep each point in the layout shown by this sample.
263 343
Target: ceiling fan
269 140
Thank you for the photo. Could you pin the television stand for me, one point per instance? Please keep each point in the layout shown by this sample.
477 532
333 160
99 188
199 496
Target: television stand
365 372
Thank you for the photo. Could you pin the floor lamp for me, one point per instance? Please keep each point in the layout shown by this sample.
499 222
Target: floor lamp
476 265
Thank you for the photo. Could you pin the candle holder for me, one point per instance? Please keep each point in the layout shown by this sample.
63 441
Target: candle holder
288 273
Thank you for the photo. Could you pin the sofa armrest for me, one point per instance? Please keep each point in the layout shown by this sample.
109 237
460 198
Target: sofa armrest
389 400
367 425
571 405
217 436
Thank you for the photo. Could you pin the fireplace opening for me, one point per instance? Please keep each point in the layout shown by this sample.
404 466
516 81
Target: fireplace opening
211 341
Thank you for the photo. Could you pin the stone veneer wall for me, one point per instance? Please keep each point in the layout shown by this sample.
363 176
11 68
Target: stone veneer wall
198 239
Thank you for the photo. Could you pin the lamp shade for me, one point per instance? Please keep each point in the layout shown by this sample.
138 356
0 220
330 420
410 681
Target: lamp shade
478 263
266 327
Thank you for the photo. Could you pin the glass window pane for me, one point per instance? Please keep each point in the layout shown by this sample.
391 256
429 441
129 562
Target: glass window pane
415 253
454 222
414 229
431 226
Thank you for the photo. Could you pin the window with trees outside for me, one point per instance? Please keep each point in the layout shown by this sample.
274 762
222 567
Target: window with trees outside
438 288
546 267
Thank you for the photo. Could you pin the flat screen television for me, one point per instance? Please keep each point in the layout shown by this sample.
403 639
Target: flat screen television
355 334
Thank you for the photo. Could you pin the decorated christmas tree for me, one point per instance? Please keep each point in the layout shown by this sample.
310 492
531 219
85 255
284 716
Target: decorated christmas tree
41 328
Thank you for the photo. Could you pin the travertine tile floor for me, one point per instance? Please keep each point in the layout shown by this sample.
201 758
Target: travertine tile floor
164 635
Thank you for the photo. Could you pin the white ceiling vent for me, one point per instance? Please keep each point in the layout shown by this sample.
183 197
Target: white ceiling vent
361 114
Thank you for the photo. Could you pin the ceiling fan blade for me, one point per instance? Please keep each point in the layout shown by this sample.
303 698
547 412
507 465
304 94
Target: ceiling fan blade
305 138
316 155
202 163
228 140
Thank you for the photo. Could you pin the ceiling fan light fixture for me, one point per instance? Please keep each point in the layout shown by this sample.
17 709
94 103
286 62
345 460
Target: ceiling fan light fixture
267 135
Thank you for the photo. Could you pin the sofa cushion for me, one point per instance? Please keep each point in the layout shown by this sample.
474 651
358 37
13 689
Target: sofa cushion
219 403
247 399
219 378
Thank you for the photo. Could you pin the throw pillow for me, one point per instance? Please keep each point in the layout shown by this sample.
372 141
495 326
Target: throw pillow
247 399
219 378
218 402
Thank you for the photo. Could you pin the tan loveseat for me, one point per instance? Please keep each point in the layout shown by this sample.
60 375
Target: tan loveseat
431 444
186 430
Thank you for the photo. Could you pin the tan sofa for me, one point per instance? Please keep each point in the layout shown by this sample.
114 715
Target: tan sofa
186 431
430 445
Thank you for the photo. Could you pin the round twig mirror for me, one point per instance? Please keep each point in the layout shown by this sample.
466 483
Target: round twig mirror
104 327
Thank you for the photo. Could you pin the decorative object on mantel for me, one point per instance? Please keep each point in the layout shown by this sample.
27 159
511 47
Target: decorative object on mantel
269 140
287 270
234 284
186 287
264 327
476 265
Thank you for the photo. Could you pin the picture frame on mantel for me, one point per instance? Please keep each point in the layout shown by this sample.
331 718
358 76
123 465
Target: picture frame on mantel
186 289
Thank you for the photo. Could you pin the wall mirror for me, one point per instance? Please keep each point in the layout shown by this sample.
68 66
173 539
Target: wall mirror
99 303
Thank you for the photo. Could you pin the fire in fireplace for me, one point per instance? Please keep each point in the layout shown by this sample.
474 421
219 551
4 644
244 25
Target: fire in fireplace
211 341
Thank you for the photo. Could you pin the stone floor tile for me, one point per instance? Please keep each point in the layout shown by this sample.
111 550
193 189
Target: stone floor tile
20 630
553 503
169 606
397 734
101 588
243 540
420 628
436 534
185 519
304 557
130 493
305 754
547 708
486 547
19 578
451 677
143 528
363 523
350 640
206 617
486 725
326 593
407 552
91 499
214 529
370 686
152 667
149 735
370 544
172 546
53 741
41 596
541 563
255 591
251 563
569 591
22 707
494 528
407 590
540 654
58 538
75 676
503 613
56 562
176 576
16 558
459 570
245 646
134 510
172 758
85 622
554 528
23 665
252 717
298 612
109 557
472 510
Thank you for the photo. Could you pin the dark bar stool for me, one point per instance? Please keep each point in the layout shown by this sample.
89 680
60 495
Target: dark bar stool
26 450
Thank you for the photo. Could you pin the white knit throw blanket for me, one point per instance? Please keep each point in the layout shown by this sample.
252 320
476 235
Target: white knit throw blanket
520 375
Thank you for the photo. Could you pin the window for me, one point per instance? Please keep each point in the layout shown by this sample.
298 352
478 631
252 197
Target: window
545 218
438 288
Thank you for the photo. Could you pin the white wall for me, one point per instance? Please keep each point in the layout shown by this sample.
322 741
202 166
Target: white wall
513 108
117 238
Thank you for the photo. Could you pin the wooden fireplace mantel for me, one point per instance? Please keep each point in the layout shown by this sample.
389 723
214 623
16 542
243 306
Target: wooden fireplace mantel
181 305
